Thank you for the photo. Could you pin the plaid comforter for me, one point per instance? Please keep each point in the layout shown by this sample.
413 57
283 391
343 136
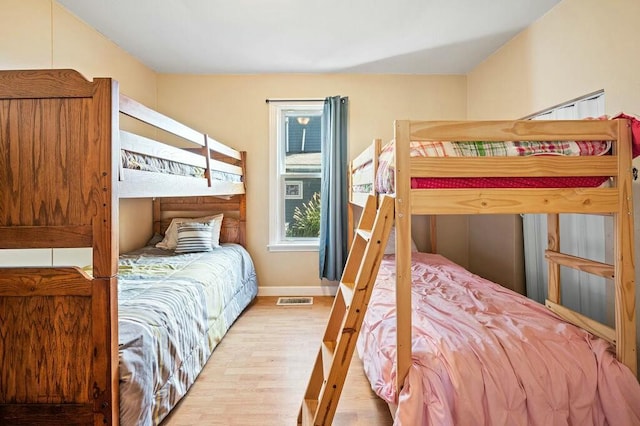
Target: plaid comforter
385 182
504 149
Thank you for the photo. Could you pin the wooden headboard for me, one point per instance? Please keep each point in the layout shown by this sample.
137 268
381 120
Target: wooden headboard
234 209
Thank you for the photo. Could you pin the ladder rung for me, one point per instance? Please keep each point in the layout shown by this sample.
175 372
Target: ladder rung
600 330
339 341
365 234
308 411
328 349
604 270
346 289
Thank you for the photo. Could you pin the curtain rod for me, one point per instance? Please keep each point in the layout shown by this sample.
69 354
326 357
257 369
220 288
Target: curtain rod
293 100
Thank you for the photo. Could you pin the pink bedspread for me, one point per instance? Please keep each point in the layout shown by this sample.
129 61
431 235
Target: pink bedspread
484 355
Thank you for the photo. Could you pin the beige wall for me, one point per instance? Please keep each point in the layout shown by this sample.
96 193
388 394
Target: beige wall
578 47
42 34
232 109
25 34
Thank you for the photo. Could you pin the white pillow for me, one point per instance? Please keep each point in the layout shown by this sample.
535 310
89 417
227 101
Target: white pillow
194 237
171 235
391 243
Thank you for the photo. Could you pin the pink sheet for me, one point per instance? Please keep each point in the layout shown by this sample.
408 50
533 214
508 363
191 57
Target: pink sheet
485 355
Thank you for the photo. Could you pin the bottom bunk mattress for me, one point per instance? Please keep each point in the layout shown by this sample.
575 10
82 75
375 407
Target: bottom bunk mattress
483 354
173 309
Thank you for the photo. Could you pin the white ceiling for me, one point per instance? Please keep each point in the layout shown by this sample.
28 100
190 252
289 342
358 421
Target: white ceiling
304 36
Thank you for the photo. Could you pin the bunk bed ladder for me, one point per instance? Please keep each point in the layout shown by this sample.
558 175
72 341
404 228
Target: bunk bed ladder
349 306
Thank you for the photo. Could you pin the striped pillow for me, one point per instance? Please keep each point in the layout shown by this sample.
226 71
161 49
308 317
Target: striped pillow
171 234
194 237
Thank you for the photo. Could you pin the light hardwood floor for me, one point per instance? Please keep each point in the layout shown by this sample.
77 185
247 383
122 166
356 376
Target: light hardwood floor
258 373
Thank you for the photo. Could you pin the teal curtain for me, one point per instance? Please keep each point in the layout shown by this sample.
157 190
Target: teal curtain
333 193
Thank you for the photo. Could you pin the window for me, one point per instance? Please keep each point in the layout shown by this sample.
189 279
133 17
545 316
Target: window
581 292
295 175
591 105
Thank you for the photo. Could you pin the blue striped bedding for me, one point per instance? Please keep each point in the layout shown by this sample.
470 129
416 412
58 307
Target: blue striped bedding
173 309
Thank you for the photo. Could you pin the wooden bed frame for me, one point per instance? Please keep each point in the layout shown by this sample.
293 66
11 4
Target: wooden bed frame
615 200
60 182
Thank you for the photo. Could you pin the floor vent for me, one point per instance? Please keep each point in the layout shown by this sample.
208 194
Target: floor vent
294 301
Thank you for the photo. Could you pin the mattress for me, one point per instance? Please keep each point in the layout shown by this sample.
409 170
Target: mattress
137 161
385 174
483 354
172 312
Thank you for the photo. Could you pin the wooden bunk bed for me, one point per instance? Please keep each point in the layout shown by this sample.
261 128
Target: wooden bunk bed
614 199
63 168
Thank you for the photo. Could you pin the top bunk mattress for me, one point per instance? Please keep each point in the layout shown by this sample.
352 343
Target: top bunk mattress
385 173
384 179
137 161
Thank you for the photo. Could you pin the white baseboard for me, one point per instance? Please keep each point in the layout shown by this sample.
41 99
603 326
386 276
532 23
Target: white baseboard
298 291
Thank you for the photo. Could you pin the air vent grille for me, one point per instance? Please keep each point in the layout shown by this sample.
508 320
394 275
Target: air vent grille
294 301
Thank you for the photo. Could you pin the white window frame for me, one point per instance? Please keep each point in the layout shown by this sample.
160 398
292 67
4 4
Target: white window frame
277 240
589 105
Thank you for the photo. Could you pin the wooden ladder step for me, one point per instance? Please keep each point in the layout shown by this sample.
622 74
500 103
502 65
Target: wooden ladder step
327 349
339 341
308 411
364 234
346 290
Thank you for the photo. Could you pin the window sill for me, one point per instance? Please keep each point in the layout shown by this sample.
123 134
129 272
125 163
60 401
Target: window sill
293 247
